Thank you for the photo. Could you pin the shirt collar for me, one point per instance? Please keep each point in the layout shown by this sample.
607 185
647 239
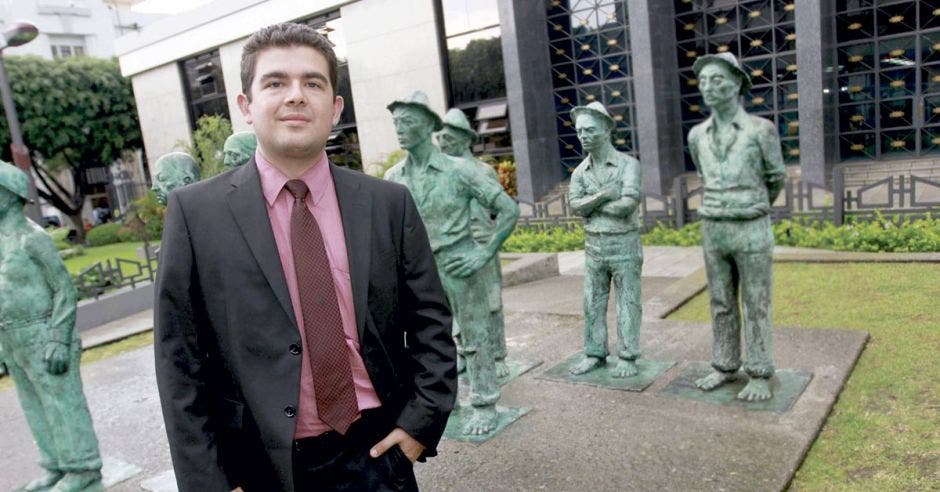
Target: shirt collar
739 121
317 179
436 160
612 159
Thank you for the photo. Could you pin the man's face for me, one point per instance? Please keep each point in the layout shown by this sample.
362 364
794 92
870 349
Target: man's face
292 106
453 142
234 158
412 126
592 132
718 84
170 177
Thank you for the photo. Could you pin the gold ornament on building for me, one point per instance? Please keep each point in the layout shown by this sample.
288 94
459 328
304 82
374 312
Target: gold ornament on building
936 12
794 152
757 72
855 26
569 146
615 93
855 88
896 114
935 47
896 53
723 48
557 27
565 100
856 58
721 20
695 108
692 82
618 117
793 97
559 51
588 71
689 27
691 54
758 100
857 147
936 110
936 78
793 124
585 47
566 123
754 14
756 42
563 76
789 7
857 118
935 140
791 67
898 144
614 67
611 42
895 19
590 97
584 22
621 141
556 3
896 83
790 37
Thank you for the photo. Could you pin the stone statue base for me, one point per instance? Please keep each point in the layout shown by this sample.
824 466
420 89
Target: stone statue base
517 367
461 413
787 386
602 377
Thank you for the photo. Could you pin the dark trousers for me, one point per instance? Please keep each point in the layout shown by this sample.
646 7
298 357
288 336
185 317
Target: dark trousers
331 461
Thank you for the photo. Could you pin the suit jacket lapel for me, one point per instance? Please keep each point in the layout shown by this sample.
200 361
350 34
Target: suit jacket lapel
246 201
355 209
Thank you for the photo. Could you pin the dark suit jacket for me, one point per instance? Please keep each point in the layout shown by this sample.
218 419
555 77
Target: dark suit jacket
227 364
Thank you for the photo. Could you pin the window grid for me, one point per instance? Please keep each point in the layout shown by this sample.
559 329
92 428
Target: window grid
762 34
887 78
589 47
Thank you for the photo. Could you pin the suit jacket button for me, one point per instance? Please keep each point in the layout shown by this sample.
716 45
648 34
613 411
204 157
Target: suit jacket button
294 349
289 412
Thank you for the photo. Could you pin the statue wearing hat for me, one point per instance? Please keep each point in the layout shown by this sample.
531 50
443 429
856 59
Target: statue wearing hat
455 140
172 171
443 189
738 158
39 347
605 190
239 149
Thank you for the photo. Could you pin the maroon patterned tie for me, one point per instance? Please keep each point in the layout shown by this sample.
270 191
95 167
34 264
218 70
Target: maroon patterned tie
323 326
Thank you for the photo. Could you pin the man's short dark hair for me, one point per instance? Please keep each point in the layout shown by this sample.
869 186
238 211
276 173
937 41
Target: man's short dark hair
284 35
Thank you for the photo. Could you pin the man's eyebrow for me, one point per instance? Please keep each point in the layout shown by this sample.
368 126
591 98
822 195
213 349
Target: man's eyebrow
277 74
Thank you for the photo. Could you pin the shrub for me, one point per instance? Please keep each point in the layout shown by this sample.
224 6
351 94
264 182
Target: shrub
883 234
506 170
208 140
103 234
390 160
126 235
548 241
60 236
71 252
663 235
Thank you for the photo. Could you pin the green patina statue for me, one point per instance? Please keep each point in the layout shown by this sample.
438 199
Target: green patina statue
605 190
443 189
239 149
455 140
738 157
172 171
39 347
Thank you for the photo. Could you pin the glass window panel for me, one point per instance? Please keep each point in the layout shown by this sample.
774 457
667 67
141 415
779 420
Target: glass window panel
461 16
689 26
693 108
930 140
858 146
586 46
929 14
788 124
558 29
857 117
724 21
761 70
564 125
898 143
756 14
786 68
760 100
721 44
898 83
590 93
683 6
622 140
612 41
791 149
618 92
897 18
622 116
857 57
615 67
611 16
475 65
565 99
930 79
556 8
856 88
563 75
688 84
588 71
930 47
785 39
788 97
783 10
757 43
897 113
687 52
898 52
842 5
932 110
855 26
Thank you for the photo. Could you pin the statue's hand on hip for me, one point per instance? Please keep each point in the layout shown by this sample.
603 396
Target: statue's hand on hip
464 266
56 357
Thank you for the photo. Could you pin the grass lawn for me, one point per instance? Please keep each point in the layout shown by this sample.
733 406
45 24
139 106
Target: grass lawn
108 252
884 431
102 352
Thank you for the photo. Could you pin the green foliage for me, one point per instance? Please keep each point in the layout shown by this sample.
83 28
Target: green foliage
126 234
394 157
103 234
154 230
476 70
208 141
72 252
663 235
77 112
523 240
60 236
880 235
150 212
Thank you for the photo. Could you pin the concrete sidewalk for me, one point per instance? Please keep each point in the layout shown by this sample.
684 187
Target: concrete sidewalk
574 438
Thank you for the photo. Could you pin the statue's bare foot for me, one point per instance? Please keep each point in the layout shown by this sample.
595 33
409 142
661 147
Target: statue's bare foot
461 364
587 364
87 481
482 421
624 369
44 482
714 380
757 389
502 369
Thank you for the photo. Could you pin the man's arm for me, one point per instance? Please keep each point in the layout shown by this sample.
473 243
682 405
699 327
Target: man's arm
775 173
583 204
41 250
180 361
427 321
630 199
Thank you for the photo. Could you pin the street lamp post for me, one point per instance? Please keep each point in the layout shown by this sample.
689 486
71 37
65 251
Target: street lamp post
18 34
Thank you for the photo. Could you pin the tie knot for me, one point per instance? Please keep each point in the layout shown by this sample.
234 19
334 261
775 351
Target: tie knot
297 188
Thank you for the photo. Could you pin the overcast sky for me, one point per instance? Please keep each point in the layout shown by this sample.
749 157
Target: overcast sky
167 6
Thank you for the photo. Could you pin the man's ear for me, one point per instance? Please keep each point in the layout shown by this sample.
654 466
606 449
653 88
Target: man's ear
338 105
244 105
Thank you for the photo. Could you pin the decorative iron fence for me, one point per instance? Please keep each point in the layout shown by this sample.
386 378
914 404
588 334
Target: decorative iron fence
116 273
902 195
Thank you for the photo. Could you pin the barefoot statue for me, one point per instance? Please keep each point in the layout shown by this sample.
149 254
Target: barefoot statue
443 189
172 171
605 190
738 158
455 140
39 347
238 149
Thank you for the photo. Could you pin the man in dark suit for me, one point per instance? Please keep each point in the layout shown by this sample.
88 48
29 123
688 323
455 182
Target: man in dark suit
302 334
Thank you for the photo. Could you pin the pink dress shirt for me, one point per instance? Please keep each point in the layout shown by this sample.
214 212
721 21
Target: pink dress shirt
324 206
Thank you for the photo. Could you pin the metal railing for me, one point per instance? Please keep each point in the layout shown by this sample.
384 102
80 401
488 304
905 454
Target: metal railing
112 274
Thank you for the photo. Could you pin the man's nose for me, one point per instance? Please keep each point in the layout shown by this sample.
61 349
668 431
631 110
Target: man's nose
295 94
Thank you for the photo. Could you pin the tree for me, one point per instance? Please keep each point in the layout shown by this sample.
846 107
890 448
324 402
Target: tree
208 142
76 114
